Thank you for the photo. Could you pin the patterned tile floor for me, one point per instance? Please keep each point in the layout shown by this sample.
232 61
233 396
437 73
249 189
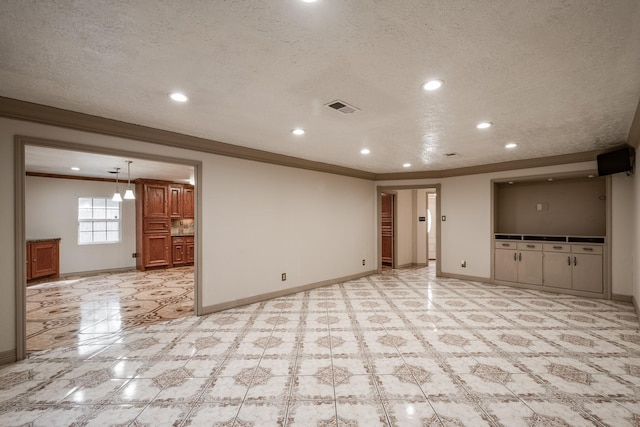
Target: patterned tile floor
401 348
83 308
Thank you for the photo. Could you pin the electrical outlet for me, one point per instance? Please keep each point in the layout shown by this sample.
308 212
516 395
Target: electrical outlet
363 262
463 264
134 255
284 276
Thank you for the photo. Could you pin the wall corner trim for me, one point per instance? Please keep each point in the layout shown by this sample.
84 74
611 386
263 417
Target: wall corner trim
290 291
9 356
635 305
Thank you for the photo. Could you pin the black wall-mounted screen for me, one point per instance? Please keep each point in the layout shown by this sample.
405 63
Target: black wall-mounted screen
616 161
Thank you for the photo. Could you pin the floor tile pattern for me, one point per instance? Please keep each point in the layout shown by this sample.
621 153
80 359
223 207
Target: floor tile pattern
402 348
84 307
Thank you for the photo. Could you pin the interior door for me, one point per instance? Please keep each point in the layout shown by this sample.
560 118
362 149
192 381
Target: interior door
387 229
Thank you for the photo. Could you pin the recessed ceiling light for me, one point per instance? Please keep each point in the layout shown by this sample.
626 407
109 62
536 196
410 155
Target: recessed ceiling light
365 151
484 125
309 1
179 97
510 182
549 179
511 145
406 165
298 131
591 176
432 85
75 168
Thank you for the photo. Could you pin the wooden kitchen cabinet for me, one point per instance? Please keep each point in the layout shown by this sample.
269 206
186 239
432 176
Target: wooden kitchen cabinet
43 259
155 197
183 249
181 201
156 250
153 224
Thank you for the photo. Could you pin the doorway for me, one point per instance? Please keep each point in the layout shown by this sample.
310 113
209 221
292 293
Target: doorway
409 227
387 229
124 274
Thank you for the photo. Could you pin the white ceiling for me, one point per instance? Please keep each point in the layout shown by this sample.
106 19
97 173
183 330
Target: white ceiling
556 77
55 161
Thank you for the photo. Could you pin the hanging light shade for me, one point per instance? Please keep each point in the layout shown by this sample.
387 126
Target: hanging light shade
128 195
116 196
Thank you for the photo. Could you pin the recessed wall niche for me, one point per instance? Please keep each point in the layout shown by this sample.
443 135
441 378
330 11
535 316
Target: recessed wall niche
568 207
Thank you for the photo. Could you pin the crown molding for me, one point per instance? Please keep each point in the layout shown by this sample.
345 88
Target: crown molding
43 114
563 159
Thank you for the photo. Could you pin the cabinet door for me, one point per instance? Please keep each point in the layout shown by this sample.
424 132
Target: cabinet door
156 201
506 267
190 251
156 225
178 254
530 267
175 201
28 258
156 250
587 272
44 259
556 268
188 202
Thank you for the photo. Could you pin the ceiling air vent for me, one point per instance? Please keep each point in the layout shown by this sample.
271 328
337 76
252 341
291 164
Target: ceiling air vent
343 107
450 154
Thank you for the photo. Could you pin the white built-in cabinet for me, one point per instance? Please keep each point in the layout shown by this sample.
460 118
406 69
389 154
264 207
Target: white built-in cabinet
574 267
519 262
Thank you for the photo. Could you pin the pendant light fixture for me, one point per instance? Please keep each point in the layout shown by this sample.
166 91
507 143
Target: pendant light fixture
128 195
116 196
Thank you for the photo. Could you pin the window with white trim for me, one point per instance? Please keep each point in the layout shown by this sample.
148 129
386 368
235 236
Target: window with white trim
98 220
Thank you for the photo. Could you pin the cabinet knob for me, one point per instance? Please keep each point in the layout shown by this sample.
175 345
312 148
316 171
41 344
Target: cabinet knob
588 249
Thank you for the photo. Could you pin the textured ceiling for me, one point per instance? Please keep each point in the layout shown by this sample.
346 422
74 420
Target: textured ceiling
55 161
556 77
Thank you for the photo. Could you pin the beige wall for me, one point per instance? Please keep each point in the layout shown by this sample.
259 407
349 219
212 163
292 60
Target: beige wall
51 210
569 207
420 234
622 234
432 201
635 230
466 202
404 228
257 221
7 256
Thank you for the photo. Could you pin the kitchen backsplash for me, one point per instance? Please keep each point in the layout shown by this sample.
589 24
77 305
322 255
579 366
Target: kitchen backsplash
181 226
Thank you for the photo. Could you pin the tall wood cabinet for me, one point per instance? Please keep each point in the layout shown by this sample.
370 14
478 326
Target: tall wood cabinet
153 226
43 259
